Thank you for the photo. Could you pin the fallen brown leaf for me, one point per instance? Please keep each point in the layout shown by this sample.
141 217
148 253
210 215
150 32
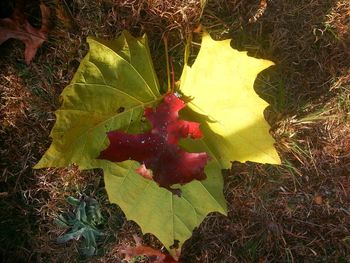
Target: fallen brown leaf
154 255
318 200
18 27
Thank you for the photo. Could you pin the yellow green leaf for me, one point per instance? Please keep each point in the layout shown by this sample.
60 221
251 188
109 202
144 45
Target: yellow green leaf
220 84
113 85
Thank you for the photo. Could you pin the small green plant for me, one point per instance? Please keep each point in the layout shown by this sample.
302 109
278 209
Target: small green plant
82 222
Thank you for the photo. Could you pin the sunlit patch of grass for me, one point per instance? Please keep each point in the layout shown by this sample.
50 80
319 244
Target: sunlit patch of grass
344 102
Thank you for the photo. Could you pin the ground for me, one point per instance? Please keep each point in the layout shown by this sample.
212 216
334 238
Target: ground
295 212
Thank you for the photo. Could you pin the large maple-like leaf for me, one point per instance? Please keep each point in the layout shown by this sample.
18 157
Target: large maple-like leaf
220 85
113 85
116 82
18 27
158 148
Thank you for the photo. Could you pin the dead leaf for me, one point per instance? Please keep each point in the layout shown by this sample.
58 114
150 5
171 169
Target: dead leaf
64 15
18 27
154 255
318 200
260 12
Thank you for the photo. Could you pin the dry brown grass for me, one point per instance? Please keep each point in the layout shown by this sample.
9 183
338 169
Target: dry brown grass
297 212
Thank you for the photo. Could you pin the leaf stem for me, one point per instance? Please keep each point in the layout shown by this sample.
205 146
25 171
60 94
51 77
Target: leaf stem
187 48
165 39
172 76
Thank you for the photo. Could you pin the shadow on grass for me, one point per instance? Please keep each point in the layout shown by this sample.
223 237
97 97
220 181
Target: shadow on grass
269 219
20 138
274 217
18 218
297 36
282 213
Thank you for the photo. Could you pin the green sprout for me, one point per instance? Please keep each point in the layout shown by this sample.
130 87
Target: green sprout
82 222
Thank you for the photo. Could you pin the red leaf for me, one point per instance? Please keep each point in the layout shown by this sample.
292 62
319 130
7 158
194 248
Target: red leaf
155 256
19 28
158 149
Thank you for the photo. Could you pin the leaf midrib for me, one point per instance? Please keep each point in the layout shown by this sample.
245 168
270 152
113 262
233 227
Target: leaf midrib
131 66
88 130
